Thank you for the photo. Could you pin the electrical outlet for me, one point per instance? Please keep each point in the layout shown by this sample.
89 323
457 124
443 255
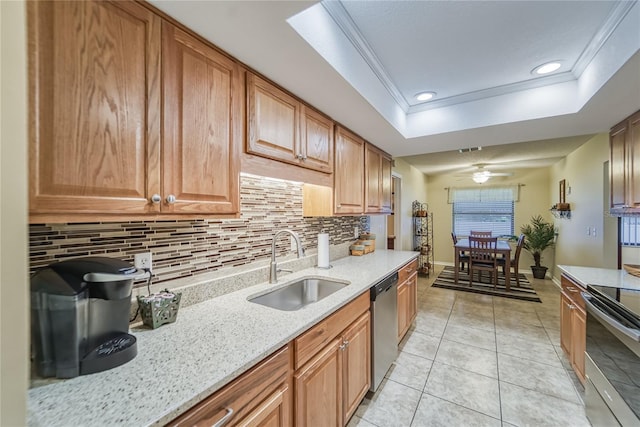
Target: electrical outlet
143 260
593 232
293 245
588 231
356 232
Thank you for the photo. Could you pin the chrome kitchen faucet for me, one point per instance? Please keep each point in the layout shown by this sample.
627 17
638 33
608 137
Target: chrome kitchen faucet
273 266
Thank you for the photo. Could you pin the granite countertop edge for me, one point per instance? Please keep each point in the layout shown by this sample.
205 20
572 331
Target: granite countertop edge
211 343
608 277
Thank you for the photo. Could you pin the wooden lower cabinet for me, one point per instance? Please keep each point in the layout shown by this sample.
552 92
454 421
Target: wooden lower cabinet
356 364
331 384
573 322
318 389
260 397
403 310
407 297
332 363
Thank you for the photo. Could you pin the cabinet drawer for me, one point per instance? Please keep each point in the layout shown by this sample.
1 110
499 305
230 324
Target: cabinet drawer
572 290
407 270
307 344
241 396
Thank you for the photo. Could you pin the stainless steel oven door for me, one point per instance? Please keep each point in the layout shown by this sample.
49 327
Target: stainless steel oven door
612 363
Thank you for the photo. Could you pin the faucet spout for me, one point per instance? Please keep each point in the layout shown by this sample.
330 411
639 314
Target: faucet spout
273 266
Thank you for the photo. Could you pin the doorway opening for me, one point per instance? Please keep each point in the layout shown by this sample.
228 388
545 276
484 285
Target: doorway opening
394 240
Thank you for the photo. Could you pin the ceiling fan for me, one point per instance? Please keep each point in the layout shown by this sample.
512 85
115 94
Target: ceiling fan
482 175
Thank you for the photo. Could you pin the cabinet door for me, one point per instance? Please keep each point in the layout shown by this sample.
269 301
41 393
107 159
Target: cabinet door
357 364
372 183
633 150
318 389
348 173
566 307
386 184
403 310
95 105
412 292
203 110
273 117
274 411
618 165
578 341
316 140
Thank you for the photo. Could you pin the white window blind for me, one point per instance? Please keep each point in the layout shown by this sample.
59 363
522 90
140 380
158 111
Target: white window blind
483 209
630 230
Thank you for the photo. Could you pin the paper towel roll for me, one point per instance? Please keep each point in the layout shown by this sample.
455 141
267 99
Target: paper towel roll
323 250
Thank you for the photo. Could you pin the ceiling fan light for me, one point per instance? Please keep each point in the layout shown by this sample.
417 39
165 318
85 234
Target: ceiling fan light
480 179
547 68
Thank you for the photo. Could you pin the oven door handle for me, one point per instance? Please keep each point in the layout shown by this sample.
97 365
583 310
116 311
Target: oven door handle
604 317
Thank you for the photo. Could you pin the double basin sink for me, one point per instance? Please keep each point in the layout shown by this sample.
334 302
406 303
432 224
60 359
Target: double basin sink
298 294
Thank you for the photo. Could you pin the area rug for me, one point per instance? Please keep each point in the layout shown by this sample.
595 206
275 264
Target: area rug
524 292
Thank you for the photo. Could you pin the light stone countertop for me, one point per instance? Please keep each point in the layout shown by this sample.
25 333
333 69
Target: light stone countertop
210 344
601 276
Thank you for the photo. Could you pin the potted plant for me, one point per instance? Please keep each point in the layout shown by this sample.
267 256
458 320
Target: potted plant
538 236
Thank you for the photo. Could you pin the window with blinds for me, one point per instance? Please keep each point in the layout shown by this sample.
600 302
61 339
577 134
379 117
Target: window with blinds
630 230
483 209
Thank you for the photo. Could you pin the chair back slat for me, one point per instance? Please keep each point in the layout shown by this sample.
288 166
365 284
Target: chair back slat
474 233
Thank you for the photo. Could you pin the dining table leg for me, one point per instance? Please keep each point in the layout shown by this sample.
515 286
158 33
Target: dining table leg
507 272
456 264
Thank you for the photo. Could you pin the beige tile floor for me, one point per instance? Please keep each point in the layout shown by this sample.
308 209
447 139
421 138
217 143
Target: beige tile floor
477 360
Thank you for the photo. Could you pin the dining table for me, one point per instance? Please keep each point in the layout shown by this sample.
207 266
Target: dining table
502 248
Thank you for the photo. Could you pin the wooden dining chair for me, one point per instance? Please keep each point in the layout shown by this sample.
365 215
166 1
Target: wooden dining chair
513 262
462 256
483 257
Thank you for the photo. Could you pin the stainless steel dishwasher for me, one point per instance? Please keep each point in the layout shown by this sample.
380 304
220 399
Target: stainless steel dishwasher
384 328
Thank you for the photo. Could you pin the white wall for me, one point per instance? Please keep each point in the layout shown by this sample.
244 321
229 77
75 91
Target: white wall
413 187
14 302
583 171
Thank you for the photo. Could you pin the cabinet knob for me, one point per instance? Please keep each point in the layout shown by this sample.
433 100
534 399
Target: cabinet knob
300 157
171 199
156 198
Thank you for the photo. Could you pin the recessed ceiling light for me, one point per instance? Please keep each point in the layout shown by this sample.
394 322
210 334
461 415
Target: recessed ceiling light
425 96
547 68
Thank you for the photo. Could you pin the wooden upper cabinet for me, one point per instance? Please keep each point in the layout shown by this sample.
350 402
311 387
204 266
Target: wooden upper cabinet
624 164
105 143
377 180
617 165
282 128
348 172
94 101
634 160
203 107
316 139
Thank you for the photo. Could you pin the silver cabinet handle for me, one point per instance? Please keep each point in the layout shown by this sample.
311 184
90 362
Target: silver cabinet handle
224 419
156 198
171 199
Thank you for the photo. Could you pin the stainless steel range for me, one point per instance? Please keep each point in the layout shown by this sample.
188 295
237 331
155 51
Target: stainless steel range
612 365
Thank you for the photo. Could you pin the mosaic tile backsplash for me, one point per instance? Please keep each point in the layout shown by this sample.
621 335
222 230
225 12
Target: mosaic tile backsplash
187 248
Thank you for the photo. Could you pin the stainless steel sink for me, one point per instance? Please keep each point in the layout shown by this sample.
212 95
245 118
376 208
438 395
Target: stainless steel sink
298 294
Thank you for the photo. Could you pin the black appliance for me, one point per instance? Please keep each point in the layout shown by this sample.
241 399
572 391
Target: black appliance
80 316
612 359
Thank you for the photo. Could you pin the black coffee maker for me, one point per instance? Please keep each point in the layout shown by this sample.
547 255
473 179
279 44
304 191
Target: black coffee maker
80 316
